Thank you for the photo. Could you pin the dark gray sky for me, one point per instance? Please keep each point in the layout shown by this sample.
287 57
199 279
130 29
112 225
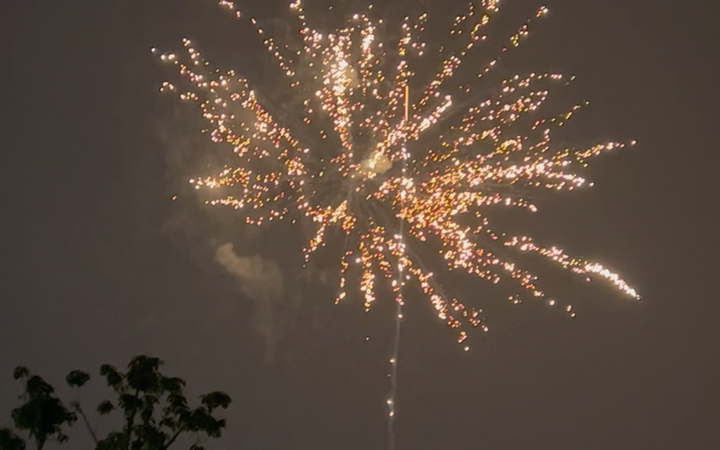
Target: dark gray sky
99 265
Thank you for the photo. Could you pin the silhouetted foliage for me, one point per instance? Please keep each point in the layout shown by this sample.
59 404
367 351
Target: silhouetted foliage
42 414
10 440
154 409
77 378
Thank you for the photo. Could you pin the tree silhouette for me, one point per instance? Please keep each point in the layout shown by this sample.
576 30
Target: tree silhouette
153 407
42 414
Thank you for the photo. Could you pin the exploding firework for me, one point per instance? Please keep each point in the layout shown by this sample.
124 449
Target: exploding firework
390 161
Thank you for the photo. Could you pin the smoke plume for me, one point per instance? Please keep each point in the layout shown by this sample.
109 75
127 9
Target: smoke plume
262 281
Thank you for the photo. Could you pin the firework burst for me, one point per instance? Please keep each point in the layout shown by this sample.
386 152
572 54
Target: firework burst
398 161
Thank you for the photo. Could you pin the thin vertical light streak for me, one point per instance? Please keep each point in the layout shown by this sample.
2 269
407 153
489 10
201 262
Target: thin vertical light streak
399 303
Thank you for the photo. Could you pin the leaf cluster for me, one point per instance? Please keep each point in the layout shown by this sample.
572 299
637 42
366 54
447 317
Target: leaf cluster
42 413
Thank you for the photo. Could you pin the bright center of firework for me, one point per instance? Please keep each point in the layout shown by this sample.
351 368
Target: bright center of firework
375 164
363 93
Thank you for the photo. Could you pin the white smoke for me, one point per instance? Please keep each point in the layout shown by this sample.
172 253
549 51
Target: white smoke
262 281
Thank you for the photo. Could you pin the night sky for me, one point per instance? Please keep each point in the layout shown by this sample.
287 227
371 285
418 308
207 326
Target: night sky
98 264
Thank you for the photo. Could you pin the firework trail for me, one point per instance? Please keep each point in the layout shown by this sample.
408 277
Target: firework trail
401 160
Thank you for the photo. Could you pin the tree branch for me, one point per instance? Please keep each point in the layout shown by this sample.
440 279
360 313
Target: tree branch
172 439
77 408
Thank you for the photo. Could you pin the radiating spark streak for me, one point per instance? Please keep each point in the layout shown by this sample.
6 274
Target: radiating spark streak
364 156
